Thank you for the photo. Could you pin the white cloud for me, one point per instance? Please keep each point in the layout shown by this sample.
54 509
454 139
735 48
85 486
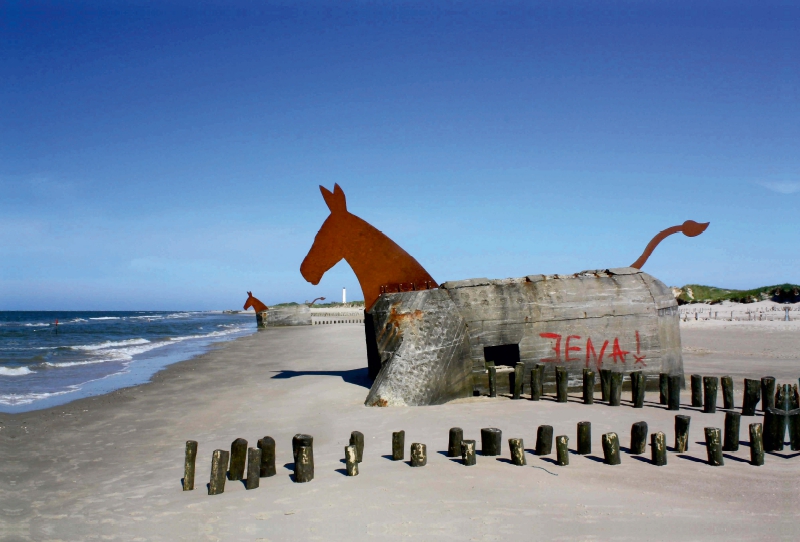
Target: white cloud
785 187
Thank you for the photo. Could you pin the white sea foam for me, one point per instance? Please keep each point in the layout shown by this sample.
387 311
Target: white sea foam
14 371
40 324
110 344
106 318
28 398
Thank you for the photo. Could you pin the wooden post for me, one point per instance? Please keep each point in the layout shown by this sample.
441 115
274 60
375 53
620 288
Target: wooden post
638 385
756 445
767 393
188 465
351 460
714 447
561 384
727 392
731 442
238 458
638 438
584 438
419 455
253 468
562 450
588 387
605 384
468 452
519 372
304 464
492 381
682 433
774 429
298 441
491 441
398 445
267 446
611 448
674 392
697 391
357 440
710 394
658 449
752 391
517 451
544 440
615 394
219 464
663 388
454 443
537 381
793 421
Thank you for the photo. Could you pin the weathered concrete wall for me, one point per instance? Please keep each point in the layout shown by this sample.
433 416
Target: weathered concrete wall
619 319
424 350
294 315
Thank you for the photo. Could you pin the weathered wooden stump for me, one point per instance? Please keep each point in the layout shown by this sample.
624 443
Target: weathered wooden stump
519 375
682 433
793 422
663 388
611 448
674 392
605 384
219 466
491 441
638 386
658 449
562 450
468 452
544 440
517 451
756 445
710 394
304 464
561 384
419 455
588 387
638 438
238 458
774 429
537 381
714 447
731 437
615 392
351 460
727 392
492 380
298 441
253 468
357 440
584 438
188 465
752 394
767 393
267 446
454 442
398 445
697 391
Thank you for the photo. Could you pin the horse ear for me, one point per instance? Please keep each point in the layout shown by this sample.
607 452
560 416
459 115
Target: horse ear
250 294
335 200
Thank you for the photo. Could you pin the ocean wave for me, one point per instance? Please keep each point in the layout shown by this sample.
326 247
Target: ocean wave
14 399
14 371
106 318
209 335
40 324
110 344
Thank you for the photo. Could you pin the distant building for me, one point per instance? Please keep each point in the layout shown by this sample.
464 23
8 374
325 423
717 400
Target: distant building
344 295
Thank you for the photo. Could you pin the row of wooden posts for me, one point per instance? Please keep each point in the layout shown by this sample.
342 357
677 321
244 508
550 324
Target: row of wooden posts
704 388
260 461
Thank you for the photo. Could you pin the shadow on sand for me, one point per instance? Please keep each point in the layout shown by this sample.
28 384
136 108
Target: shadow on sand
358 377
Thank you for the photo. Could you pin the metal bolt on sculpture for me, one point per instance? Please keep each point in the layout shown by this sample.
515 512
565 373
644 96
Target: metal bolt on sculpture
428 343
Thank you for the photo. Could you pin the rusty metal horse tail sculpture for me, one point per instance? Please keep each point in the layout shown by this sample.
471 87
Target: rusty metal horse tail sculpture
690 228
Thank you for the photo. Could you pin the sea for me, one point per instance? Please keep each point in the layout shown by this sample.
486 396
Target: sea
52 358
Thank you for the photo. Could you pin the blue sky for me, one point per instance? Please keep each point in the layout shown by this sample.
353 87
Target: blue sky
168 155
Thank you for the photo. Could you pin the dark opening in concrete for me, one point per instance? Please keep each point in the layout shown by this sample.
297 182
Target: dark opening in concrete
502 354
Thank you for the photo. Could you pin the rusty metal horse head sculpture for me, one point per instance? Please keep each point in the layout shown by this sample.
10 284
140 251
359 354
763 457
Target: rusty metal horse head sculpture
257 305
378 262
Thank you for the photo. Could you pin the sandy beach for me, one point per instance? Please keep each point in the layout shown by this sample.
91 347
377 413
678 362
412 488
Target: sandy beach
110 467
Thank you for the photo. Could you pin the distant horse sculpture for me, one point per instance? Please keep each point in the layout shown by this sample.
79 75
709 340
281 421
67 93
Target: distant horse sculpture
428 343
257 305
379 263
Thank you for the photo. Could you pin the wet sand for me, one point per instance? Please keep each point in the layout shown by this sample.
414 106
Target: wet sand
110 467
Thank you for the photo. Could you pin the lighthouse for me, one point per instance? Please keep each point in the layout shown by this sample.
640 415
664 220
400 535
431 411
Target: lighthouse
344 295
